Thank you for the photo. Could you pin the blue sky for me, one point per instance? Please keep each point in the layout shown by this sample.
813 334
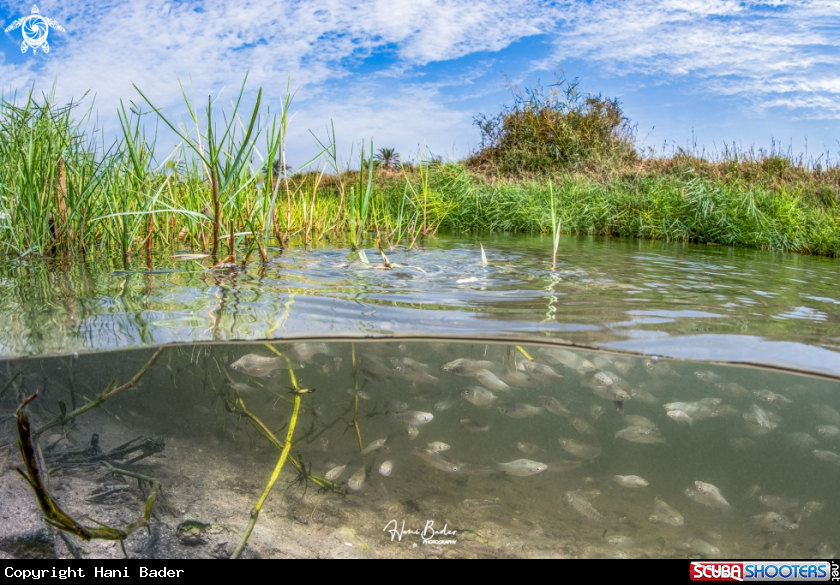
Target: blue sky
413 74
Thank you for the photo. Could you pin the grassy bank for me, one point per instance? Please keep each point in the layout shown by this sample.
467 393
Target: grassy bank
225 191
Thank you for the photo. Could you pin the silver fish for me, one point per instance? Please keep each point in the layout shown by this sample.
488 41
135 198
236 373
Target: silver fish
635 420
336 472
666 514
611 393
708 495
771 397
829 456
522 467
583 427
708 376
624 367
410 362
630 481
774 522
554 406
446 403
396 406
581 506
545 374
640 435
474 426
779 503
412 432
415 374
621 541
829 431
479 396
518 410
732 390
436 460
490 380
596 411
680 416
306 351
480 504
375 446
660 369
437 446
415 417
642 395
826 414
703 547
578 449
761 418
808 510
569 359
357 480
256 365
467 367
386 468
530 448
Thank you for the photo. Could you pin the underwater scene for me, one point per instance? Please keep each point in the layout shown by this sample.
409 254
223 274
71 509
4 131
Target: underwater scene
415 449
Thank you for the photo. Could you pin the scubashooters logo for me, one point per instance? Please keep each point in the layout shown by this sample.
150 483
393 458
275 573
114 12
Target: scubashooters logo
428 534
764 571
35 29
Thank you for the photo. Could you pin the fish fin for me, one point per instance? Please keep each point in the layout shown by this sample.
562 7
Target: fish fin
619 406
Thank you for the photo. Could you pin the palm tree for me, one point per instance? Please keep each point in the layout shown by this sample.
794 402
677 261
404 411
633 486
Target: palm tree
388 158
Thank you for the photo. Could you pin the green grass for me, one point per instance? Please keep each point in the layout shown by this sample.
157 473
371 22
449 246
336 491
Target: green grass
63 192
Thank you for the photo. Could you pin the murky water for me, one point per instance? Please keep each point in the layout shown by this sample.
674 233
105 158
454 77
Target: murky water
768 441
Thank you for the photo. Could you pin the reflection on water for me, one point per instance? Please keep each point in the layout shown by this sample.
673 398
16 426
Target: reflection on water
522 451
604 291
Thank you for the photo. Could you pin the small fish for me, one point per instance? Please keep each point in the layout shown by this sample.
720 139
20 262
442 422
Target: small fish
630 481
583 427
708 495
624 367
436 460
530 448
446 403
375 446
666 514
415 417
256 365
771 397
640 435
724 410
751 492
635 420
620 541
306 351
415 374
808 510
733 390
582 507
680 416
474 426
545 374
774 522
241 387
829 456
826 414
642 395
761 418
596 411
480 504
579 449
660 369
386 468
569 359
703 547
611 393
518 410
779 503
522 467
437 446
412 432
490 380
828 431
708 376
360 393
518 379
396 406
479 396
189 256
554 406
467 367
357 480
